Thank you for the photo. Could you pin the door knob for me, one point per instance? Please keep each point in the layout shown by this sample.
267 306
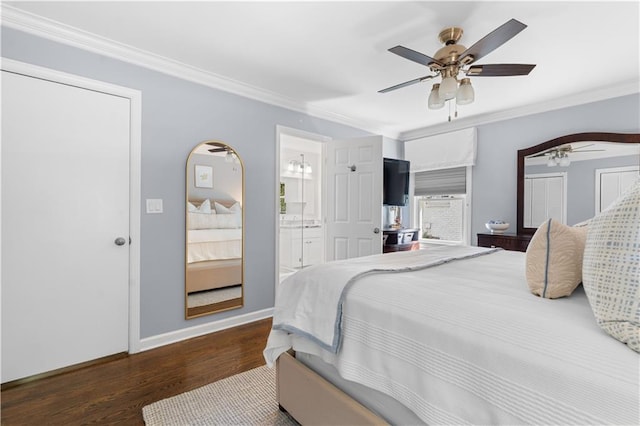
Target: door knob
120 241
376 230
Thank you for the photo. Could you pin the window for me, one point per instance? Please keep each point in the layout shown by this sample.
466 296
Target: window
441 203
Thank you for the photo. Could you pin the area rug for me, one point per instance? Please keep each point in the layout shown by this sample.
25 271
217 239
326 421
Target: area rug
247 398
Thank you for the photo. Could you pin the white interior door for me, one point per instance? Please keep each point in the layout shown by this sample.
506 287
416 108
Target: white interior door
545 197
613 182
65 200
354 197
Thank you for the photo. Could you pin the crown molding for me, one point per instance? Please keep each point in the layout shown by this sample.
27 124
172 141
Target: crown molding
615 91
12 17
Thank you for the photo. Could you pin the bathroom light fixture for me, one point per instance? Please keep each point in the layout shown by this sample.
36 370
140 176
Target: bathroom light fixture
295 166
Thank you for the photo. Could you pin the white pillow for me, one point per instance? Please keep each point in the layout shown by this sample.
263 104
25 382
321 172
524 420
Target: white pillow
554 259
611 269
204 208
235 209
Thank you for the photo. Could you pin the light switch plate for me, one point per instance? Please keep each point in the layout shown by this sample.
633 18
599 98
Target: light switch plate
154 205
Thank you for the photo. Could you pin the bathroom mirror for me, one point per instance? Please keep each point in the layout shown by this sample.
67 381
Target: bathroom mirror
214 267
573 177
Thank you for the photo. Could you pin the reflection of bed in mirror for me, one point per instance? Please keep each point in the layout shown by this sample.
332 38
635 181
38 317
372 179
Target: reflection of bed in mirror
214 251
214 243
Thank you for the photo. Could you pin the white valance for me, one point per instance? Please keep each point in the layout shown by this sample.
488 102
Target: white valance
455 149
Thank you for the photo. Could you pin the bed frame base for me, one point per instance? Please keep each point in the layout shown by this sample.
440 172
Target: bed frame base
312 400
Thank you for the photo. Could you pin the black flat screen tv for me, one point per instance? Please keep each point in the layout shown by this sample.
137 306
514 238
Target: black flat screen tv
396 182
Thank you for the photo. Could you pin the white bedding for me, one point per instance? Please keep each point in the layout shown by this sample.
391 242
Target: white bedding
469 344
213 244
299 295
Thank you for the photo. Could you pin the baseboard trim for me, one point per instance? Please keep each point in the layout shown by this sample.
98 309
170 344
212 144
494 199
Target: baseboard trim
202 329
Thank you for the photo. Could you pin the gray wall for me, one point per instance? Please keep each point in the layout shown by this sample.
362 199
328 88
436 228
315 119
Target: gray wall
494 175
176 116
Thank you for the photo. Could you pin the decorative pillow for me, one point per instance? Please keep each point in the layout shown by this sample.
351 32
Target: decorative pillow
612 268
203 208
235 209
554 259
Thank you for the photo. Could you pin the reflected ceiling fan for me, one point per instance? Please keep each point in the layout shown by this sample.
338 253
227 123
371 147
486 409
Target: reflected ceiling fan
453 59
230 156
559 156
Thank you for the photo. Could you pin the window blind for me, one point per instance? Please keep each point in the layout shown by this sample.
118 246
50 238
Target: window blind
441 182
445 151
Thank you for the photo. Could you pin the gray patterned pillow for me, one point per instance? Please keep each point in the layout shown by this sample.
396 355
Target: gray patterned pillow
611 268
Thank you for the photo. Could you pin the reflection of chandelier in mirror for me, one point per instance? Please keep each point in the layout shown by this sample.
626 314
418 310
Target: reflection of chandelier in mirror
558 158
295 166
231 157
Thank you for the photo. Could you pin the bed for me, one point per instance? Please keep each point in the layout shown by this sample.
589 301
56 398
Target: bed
450 335
214 245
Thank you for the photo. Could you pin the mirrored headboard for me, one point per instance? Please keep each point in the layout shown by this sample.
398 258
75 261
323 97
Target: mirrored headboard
560 154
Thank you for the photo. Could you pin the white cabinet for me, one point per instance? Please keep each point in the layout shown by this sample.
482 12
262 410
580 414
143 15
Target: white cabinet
301 246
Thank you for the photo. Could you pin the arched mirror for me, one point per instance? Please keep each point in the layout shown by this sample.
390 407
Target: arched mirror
214 269
574 177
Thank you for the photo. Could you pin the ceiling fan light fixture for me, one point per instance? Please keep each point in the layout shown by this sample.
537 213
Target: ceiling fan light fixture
435 100
466 94
564 160
448 87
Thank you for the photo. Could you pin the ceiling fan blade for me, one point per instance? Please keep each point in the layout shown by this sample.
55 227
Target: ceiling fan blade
406 83
580 147
499 70
493 40
541 154
414 56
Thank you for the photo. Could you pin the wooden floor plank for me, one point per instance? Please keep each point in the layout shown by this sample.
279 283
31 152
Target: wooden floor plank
115 392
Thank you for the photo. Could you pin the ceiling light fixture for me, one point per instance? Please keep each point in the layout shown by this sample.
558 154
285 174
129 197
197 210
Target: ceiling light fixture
558 158
453 59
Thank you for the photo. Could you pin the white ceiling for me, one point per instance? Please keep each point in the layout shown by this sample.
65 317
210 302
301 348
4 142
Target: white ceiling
330 58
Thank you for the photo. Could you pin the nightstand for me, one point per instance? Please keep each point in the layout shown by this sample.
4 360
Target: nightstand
506 241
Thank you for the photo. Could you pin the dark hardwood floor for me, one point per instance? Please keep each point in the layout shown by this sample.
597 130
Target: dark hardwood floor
115 392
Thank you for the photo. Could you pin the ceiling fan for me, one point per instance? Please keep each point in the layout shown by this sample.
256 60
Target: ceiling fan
559 156
230 155
454 58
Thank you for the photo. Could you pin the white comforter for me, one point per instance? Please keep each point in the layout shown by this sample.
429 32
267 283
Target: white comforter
309 303
467 343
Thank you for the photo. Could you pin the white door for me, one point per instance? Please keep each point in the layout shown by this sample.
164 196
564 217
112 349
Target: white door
354 197
613 182
65 201
545 198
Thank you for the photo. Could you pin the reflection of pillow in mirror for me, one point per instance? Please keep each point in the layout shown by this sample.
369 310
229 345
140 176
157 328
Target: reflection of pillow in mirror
554 259
212 221
220 209
235 210
205 207
191 207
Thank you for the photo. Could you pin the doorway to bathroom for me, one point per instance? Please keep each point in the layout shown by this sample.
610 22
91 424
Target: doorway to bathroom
301 202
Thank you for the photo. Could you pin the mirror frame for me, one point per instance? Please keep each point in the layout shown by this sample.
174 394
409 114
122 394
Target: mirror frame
186 228
576 137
